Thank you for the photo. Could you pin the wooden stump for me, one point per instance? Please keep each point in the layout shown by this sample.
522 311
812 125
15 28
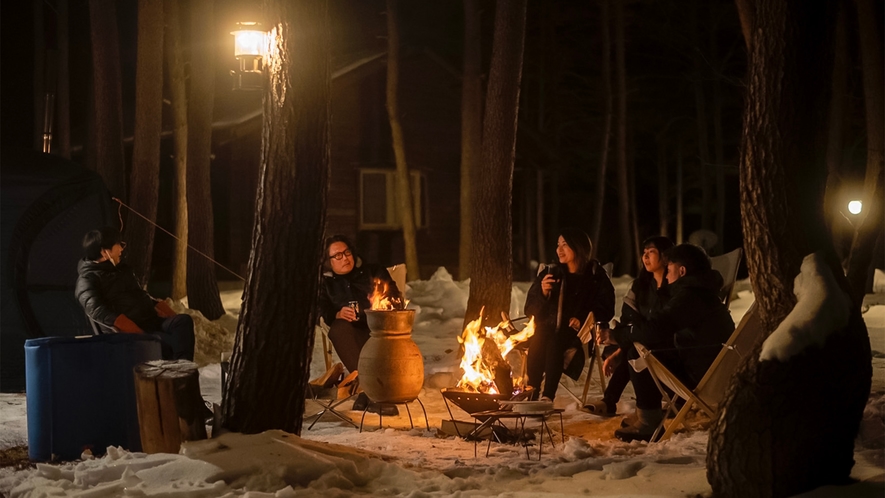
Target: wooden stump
170 407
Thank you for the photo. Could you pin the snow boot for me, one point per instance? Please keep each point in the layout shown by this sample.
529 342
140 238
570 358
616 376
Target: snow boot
649 420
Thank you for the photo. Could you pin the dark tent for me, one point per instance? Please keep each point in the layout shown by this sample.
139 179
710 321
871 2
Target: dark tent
47 204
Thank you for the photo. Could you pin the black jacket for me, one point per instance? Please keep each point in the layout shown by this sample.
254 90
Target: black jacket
337 290
694 322
585 292
106 291
644 298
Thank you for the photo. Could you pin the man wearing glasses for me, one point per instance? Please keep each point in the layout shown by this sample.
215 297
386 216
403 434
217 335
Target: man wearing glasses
109 292
343 301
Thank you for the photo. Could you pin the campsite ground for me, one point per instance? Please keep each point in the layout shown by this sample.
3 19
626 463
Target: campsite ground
398 460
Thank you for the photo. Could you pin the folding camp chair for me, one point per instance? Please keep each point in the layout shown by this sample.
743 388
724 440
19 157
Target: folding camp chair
711 389
727 265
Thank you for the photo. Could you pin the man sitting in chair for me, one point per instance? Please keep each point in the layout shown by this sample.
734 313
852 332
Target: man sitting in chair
343 301
685 335
111 296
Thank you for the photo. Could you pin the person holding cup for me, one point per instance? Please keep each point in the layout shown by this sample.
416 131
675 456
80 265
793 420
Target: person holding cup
344 298
560 300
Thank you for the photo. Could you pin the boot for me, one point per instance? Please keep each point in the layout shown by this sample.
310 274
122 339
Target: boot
649 420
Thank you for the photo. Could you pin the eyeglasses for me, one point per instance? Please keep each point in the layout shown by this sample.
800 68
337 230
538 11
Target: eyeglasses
122 244
338 256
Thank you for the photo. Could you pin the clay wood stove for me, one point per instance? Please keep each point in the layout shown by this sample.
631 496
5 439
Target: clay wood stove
391 366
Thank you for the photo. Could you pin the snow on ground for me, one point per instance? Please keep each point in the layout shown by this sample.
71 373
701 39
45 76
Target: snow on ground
334 459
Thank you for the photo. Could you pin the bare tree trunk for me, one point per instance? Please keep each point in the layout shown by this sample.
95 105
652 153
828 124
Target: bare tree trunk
178 91
107 100
39 69
759 444
540 230
663 193
471 128
146 147
493 249
718 146
271 358
836 132
700 101
871 223
63 101
403 182
599 206
202 286
680 181
627 256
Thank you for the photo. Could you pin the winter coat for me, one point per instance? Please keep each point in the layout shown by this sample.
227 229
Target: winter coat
694 322
106 291
337 291
591 290
643 298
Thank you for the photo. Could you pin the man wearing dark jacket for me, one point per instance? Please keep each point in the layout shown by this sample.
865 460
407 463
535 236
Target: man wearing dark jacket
350 280
686 334
109 292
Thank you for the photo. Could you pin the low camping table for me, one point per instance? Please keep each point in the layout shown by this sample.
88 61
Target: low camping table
491 417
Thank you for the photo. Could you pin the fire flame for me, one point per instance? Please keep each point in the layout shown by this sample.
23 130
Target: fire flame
380 299
478 375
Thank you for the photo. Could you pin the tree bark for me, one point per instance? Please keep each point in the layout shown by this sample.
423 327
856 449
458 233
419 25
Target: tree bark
836 132
700 101
403 181
107 101
271 357
871 223
178 93
63 101
471 129
627 256
663 186
170 406
492 268
606 76
773 436
146 147
202 285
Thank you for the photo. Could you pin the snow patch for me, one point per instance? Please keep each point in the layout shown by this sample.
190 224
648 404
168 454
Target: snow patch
821 309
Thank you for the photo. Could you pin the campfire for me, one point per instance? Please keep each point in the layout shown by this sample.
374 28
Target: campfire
486 369
382 301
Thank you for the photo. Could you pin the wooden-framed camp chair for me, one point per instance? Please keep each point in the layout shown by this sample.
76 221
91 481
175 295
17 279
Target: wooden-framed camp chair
711 388
727 266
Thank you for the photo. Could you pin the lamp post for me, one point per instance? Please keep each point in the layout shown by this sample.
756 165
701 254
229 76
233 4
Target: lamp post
250 48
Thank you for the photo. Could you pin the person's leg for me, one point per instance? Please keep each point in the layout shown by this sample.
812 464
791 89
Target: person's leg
553 366
348 342
535 362
178 335
616 385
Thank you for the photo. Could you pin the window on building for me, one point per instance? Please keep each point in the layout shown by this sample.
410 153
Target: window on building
378 210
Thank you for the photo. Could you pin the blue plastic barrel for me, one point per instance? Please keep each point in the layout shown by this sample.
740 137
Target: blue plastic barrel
81 393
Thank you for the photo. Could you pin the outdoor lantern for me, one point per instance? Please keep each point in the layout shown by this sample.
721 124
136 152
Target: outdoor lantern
855 207
250 42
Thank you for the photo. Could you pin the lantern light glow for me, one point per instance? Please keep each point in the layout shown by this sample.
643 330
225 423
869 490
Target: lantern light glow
855 207
250 49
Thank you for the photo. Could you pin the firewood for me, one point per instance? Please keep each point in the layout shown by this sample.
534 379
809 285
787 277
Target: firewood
170 407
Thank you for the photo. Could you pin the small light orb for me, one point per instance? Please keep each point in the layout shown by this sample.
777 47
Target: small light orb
854 207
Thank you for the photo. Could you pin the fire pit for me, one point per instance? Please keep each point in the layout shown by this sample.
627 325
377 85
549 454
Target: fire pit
473 402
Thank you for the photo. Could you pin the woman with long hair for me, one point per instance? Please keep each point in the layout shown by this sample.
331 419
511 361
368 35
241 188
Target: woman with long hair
648 293
560 300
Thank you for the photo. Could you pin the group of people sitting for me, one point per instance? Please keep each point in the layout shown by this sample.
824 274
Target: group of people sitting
672 307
